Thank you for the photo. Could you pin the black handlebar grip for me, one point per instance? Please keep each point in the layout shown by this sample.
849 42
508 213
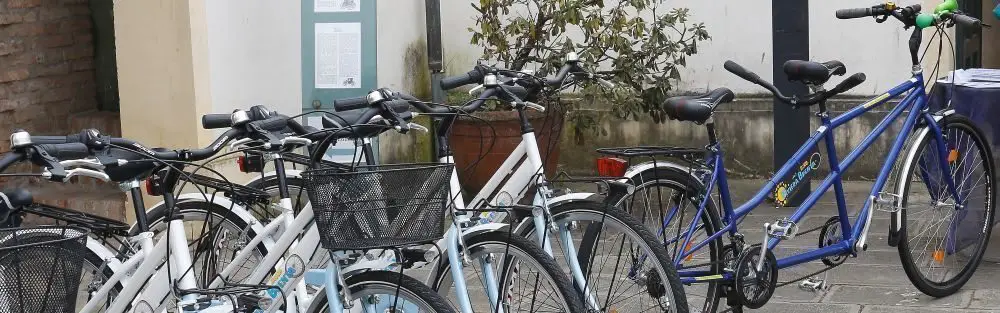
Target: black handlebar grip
858 13
215 121
518 91
743 73
275 123
55 139
472 77
66 151
348 104
848 83
965 20
404 96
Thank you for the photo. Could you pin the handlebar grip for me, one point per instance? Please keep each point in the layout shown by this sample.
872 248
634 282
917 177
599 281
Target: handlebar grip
404 96
848 83
965 20
472 77
66 151
743 73
348 104
518 91
215 121
858 13
55 139
275 123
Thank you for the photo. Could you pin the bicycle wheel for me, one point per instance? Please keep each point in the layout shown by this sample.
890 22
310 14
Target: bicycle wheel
666 202
941 241
529 280
625 268
215 235
384 291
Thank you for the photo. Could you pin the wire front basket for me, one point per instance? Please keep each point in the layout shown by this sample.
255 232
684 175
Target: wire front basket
40 268
379 206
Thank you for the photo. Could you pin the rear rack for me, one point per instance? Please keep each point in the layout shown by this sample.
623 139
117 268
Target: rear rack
651 151
98 225
238 193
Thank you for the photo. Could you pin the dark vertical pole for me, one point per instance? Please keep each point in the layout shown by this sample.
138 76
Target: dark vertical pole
435 60
790 27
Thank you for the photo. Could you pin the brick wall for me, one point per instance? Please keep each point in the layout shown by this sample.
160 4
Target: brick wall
46 65
47 86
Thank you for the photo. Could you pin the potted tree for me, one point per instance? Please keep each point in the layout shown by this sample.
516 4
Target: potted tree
637 44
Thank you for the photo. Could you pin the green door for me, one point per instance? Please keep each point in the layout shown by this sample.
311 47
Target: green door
338 57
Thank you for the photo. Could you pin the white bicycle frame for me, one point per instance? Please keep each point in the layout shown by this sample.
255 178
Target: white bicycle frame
145 266
521 169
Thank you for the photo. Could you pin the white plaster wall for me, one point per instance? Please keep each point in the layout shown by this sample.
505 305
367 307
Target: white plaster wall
400 25
741 31
255 54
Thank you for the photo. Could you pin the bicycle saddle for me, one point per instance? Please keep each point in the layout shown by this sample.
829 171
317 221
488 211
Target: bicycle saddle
697 108
813 73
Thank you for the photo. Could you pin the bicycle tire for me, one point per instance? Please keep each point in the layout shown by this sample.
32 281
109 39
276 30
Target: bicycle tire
477 245
688 186
592 212
911 265
388 280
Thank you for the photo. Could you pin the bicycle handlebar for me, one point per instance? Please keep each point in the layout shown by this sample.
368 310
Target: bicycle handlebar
863 12
474 76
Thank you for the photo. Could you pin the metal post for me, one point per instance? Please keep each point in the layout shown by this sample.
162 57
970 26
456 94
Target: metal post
435 60
790 27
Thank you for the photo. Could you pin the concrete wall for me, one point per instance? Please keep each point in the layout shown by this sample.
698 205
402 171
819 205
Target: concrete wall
254 54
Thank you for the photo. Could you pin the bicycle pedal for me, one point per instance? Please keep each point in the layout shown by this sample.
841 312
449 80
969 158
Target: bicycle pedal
783 228
887 202
813 284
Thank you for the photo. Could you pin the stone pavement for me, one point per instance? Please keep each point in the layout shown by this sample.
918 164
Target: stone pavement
872 282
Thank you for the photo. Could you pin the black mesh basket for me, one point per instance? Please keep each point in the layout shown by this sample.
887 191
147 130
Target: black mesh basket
40 268
379 206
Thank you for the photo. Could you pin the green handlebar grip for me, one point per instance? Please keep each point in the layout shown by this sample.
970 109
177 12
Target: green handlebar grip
947 6
925 20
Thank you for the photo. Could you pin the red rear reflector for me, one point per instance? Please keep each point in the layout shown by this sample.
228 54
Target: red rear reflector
242 161
611 167
149 186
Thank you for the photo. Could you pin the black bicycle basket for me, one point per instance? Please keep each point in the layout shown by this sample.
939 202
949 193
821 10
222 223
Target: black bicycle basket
40 268
379 206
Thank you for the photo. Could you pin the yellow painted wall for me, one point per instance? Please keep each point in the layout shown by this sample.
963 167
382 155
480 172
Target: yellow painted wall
162 72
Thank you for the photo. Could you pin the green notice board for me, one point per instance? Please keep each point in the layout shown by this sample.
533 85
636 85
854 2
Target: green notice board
338 56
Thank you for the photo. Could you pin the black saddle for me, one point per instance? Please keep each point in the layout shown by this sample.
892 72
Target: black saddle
697 108
813 73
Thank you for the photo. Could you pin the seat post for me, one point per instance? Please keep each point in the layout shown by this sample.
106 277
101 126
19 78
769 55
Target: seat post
822 104
710 126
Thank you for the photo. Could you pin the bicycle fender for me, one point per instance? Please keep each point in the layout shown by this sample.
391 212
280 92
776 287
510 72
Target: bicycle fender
224 202
442 246
569 197
896 219
288 173
632 174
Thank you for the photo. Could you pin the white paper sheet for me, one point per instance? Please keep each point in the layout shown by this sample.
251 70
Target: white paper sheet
337 6
338 55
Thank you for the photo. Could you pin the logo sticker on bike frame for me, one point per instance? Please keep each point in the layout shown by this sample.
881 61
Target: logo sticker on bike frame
789 185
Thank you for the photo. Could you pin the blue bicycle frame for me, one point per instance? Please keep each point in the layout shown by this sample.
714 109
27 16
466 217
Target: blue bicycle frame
854 237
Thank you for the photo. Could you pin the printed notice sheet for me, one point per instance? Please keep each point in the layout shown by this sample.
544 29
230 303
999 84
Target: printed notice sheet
337 6
338 55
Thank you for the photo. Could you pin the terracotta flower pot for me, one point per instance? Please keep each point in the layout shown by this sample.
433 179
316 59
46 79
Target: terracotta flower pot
471 139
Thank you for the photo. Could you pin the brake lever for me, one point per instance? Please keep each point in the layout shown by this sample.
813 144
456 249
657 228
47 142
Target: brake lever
418 127
476 90
534 106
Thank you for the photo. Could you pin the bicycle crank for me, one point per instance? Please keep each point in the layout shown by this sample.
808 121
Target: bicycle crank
756 276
